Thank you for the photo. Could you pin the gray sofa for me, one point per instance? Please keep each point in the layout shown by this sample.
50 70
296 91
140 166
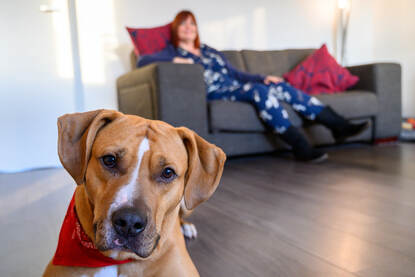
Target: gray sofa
175 93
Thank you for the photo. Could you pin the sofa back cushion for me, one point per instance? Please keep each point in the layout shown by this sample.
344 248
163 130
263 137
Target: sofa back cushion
273 62
258 62
235 59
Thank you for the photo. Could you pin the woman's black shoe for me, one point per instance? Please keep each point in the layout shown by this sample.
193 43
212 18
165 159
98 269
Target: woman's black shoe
340 127
302 149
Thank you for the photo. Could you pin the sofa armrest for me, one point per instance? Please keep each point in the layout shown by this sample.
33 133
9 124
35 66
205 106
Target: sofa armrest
174 93
384 79
136 92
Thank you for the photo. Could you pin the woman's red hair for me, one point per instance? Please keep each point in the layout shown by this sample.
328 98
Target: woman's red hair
180 17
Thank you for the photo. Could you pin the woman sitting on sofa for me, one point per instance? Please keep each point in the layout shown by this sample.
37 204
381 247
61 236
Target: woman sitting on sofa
264 92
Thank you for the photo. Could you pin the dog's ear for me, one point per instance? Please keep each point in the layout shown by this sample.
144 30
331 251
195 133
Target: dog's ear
205 167
76 134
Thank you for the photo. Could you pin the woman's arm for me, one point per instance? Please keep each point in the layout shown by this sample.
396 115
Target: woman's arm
165 55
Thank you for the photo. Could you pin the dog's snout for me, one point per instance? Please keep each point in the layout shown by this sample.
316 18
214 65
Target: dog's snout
127 222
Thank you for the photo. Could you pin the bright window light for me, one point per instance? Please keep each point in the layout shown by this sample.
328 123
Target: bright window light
343 4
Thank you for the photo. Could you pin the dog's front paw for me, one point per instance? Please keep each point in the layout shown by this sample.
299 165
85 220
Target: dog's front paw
189 230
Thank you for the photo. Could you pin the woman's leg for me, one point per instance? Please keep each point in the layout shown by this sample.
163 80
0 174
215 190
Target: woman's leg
302 103
313 109
268 107
276 117
340 127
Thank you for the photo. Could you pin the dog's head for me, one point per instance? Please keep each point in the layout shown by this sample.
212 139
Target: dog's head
136 172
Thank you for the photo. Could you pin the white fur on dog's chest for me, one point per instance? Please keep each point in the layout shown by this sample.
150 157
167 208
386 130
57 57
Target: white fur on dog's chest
107 271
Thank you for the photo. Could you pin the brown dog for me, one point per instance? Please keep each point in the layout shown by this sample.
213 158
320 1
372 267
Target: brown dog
132 175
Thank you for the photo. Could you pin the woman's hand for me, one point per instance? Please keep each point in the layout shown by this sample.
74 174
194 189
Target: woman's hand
182 60
273 79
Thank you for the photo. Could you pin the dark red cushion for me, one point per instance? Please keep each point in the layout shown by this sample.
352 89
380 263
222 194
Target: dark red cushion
149 40
320 73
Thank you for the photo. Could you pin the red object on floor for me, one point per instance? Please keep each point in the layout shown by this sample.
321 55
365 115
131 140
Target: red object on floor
75 248
386 140
320 73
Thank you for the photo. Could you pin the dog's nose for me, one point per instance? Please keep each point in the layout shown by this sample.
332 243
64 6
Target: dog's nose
128 223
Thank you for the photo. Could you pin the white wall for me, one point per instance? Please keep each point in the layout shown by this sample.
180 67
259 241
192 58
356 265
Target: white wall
36 83
380 30
394 39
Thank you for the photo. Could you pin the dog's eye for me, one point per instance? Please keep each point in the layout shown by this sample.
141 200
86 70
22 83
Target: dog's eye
168 174
109 161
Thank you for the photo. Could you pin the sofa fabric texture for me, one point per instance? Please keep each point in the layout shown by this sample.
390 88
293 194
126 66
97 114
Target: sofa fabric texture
176 94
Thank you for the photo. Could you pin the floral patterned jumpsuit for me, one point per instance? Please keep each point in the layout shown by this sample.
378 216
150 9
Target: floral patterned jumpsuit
222 84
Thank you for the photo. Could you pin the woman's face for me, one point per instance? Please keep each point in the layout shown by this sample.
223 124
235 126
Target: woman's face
187 30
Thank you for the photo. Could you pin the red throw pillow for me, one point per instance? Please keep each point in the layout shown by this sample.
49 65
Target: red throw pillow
149 40
320 73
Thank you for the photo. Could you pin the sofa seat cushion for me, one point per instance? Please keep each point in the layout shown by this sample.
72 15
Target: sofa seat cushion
352 104
240 117
228 116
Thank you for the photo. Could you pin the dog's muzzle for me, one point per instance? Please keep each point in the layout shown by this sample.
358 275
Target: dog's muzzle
128 223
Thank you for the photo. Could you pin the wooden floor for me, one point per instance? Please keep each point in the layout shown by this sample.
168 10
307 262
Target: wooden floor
351 216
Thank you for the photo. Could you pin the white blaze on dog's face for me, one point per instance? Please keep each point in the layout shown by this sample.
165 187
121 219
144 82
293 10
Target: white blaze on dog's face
125 195
139 167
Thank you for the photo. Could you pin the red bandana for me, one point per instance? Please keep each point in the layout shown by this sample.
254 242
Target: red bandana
75 248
